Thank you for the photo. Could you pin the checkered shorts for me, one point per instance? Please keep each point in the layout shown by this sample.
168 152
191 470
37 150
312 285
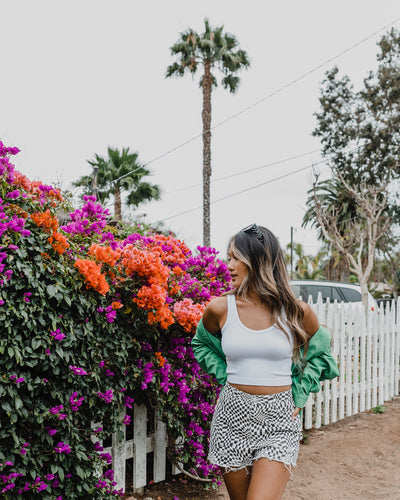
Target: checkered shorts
246 427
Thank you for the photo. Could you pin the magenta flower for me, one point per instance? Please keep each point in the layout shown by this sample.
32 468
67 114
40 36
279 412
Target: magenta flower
26 296
56 409
129 401
97 446
51 432
23 449
62 448
75 402
126 420
77 370
57 335
106 396
107 457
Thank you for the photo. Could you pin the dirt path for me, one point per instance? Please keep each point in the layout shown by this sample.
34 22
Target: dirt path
356 457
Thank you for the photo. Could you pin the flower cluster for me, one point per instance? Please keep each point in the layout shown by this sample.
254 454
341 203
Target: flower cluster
90 219
50 224
135 298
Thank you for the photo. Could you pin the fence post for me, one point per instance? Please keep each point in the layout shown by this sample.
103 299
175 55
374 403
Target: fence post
397 350
118 452
139 447
160 439
382 341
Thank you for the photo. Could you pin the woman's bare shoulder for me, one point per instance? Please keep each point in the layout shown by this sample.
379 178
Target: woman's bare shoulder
215 314
310 320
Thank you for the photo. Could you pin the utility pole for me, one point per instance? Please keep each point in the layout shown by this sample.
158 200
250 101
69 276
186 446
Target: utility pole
291 252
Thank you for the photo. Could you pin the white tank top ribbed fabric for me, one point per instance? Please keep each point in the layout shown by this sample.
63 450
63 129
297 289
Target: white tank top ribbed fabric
256 357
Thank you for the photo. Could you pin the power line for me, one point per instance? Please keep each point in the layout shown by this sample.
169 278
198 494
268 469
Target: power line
235 194
247 171
255 187
265 98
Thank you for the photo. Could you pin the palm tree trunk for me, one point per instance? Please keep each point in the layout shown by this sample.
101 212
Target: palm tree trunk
206 115
117 203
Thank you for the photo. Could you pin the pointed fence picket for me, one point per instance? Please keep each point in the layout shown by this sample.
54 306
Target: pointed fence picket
366 346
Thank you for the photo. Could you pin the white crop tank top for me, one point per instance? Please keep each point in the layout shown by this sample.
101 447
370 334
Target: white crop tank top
256 357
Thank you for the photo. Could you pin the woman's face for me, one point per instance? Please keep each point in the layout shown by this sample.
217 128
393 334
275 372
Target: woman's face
237 268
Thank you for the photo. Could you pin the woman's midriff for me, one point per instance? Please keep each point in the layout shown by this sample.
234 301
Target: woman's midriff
261 390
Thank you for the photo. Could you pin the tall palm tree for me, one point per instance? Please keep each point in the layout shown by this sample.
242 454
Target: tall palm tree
211 50
120 171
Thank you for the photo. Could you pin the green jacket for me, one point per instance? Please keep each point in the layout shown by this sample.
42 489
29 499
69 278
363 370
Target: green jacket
307 373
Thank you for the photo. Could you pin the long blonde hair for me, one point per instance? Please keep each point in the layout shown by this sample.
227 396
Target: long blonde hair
258 248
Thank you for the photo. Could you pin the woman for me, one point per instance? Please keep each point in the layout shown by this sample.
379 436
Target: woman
269 349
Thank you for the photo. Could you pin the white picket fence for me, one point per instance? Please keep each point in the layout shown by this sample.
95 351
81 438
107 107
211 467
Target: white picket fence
367 349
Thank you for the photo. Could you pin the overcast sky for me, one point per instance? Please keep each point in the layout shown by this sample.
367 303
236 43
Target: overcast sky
82 75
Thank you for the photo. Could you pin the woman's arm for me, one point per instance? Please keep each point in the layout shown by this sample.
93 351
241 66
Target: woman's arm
310 325
206 343
214 315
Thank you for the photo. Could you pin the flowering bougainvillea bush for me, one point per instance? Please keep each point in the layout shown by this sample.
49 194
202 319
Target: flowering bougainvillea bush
92 323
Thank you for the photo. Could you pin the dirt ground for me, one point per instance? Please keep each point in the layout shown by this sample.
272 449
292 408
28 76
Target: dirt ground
356 457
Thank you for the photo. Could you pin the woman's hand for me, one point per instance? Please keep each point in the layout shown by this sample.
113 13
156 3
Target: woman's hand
296 412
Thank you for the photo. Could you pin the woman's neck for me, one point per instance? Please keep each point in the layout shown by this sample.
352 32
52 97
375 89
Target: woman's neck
253 297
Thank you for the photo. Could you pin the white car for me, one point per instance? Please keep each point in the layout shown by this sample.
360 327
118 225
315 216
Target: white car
342 292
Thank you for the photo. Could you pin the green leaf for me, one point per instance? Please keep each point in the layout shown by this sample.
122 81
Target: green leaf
61 474
51 290
36 343
18 403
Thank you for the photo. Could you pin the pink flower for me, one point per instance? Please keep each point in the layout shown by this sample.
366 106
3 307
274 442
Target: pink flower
107 396
62 448
77 370
75 402
57 335
129 401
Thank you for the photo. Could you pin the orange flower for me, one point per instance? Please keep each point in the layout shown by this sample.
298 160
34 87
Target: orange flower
93 276
22 180
117 305
105 254
58 242
178 271
150 297
188 314
45 220
163 315
146 264
160 358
